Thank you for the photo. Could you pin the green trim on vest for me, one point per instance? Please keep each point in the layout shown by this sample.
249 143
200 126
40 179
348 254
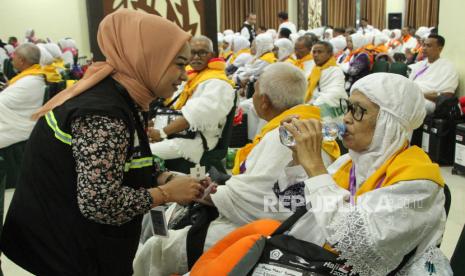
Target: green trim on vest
59 134
138 163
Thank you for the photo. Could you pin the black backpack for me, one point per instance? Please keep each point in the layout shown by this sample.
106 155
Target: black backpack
448 108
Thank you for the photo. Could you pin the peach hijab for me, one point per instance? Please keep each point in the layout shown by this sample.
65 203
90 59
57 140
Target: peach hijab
138 48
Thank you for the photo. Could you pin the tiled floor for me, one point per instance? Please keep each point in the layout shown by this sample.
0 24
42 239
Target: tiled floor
454 225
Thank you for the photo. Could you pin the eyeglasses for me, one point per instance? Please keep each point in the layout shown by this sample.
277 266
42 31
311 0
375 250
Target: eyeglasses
356 110
200 53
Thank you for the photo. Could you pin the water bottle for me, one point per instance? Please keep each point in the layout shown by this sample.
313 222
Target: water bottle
330 131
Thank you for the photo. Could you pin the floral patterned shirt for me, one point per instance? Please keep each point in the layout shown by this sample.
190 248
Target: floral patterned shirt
99 147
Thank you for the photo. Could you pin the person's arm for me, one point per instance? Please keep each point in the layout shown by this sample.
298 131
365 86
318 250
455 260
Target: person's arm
175 126
433 96
99 148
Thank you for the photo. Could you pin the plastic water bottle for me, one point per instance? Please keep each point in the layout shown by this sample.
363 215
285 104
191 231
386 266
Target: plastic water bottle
330 131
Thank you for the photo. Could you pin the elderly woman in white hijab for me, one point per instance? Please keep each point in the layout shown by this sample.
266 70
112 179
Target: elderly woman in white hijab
339 46
283 49
56 53
394 45
328 34
241 54
228 32
69 49
357 63
263 47
273 33
225 51
383 200
45 57
46 61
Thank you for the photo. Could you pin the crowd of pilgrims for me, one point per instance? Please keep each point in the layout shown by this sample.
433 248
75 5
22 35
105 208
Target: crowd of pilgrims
322 67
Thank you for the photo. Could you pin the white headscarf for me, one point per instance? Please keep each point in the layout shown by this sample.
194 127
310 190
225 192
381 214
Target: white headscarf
423 32
286 48
263 44
239 43
294 37
358 41
402 109
220 38
53 49
387 32
272 32
380 39
302 32
228 32
339 43
45 57
319 32
330 34
29 33
228 39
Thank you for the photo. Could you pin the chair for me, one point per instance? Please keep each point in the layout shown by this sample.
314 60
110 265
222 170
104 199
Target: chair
456 262
8 69
399 68
211 158
380 66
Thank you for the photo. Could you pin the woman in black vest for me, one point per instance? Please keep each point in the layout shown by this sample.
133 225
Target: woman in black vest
88 175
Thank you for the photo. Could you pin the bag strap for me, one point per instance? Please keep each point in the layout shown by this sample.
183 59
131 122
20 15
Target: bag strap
289 222
173 100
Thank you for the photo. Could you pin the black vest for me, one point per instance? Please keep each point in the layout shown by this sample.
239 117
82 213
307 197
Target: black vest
251 30
45 231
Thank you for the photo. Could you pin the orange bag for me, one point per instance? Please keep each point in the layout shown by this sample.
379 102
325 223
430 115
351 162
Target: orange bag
221 258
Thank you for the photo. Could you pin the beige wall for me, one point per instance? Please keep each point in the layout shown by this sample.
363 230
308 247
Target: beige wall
450 21
54 19
292 7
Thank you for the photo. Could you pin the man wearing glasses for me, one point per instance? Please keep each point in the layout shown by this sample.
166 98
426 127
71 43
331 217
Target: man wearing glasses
204 100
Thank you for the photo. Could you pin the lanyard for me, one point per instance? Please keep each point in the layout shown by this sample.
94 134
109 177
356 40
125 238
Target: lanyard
421 72
353 184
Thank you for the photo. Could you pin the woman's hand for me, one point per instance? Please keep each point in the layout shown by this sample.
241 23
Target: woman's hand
182 190
308 137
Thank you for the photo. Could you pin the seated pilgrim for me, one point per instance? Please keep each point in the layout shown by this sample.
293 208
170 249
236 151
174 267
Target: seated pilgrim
23 96
378 204
262 47
326 80
434 75
205 100
259 165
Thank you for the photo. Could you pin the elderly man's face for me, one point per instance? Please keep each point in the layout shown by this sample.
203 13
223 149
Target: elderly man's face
360 133
300 49
200 54
320 54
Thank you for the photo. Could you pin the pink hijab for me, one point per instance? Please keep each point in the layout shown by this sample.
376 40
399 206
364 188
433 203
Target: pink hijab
138 48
